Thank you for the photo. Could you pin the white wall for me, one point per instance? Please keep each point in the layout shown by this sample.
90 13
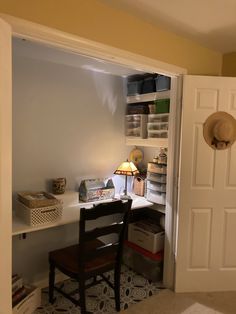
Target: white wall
67 122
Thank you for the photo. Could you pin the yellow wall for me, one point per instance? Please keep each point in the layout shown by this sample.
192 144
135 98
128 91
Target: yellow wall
96 21
229 64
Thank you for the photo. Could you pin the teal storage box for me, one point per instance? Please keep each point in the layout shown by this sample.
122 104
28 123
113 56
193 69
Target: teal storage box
162 83
162 105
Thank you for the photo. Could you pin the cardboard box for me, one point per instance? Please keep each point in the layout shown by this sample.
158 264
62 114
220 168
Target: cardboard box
30 303
147 235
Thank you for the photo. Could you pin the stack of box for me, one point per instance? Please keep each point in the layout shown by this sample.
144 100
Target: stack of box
156 183
18 290
144 249
25 298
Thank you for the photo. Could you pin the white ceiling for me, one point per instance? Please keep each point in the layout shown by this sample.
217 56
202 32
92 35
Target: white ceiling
210 22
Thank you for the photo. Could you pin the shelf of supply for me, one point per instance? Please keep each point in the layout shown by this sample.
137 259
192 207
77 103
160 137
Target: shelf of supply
148 97
148 142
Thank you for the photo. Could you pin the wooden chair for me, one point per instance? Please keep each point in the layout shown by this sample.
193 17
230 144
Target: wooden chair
91 257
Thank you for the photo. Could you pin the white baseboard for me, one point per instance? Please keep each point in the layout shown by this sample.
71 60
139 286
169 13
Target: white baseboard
43 283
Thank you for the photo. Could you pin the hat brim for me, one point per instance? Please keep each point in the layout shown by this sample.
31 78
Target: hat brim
208 128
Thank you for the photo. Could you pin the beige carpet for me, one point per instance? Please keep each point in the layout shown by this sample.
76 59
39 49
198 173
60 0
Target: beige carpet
168 302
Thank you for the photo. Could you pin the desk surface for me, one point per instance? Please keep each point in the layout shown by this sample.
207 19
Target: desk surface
69 215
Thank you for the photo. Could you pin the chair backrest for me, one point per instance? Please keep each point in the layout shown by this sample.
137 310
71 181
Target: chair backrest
88 253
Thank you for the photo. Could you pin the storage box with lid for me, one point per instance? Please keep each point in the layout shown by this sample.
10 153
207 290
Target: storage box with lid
39 216
134 85
158 117
137 108
156 197
162 83
157 134
37 208
156 177
147 235
96 189
143 262
155 186
157 168
160 106
136 125
149 85
158 126
30 303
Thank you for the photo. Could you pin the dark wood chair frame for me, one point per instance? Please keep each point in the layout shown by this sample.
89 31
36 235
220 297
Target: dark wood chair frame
93 254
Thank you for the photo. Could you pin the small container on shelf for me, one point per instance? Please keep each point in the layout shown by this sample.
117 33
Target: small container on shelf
146 234
157 168
162 83
157 134
162 105
157 126
155 186
139 108
136 126
143 262
134 87
156 177
156 197
161 117
149 85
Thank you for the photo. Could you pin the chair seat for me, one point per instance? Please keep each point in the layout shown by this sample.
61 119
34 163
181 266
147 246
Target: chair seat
67 258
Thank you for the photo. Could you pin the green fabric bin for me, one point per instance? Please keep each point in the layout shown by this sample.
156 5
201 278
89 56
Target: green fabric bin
162 105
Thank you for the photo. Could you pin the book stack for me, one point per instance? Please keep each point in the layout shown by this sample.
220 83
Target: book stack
19 291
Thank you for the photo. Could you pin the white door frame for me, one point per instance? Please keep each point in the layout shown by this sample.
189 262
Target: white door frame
5 168
55 38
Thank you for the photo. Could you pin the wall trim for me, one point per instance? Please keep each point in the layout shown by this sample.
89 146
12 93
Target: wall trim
57 38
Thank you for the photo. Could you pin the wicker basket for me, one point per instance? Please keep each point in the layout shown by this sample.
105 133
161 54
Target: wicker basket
39 216
37 199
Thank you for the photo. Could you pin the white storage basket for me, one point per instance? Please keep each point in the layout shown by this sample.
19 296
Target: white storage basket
39 216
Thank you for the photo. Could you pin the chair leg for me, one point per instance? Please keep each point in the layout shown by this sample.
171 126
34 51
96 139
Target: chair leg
117 288
82 301
51 282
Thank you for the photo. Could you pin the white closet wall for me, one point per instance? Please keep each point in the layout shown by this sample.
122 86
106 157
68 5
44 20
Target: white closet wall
67 122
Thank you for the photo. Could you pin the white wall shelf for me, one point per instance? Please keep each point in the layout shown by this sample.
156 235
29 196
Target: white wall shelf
148 142
148 97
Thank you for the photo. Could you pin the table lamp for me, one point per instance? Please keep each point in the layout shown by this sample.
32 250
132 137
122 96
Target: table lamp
127 168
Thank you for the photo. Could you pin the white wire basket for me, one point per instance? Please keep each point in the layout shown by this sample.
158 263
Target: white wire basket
39 216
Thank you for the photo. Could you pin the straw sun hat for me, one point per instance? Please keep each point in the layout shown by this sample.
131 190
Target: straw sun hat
219 130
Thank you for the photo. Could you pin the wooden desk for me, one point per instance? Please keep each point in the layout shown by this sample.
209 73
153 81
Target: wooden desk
69 215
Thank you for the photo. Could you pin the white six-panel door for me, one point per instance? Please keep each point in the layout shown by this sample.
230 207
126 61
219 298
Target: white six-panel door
206 250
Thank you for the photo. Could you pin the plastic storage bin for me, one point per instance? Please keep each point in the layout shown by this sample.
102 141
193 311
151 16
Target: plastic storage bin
147 235
156 197
137 108
155 186
134 88
157 134
156 177
157 126
162 83
157 168
149 85
164 117
136 126
148 265
39 216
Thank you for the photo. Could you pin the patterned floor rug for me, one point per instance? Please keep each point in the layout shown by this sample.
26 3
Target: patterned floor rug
100 298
